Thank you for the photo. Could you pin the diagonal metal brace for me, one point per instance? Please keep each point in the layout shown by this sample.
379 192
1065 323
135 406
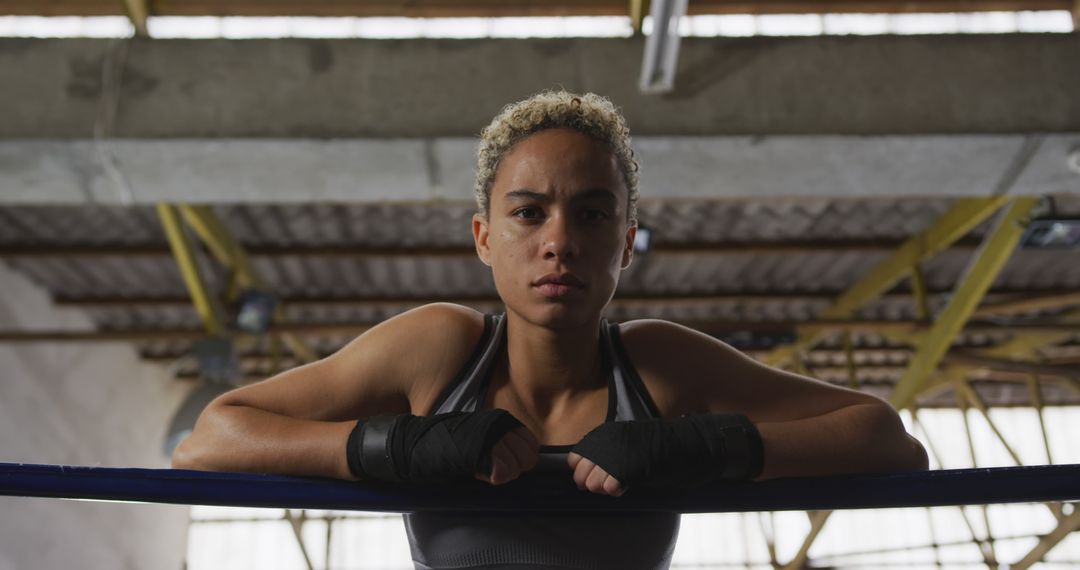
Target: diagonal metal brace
209 312
987 263
954 224
231 253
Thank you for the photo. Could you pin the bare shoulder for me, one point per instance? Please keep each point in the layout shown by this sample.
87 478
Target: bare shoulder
657 343
669 357
646 331
689 371
421 349
435 330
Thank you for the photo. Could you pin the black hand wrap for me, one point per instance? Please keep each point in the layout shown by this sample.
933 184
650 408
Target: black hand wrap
688 451
427 449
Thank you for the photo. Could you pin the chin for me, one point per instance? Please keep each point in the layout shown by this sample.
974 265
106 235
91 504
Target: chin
558 316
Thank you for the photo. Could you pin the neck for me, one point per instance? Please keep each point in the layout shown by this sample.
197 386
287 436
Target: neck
546 369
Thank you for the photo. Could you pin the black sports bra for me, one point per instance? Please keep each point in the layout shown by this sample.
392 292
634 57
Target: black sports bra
633 541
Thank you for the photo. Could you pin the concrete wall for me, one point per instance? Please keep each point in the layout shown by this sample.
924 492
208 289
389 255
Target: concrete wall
88 404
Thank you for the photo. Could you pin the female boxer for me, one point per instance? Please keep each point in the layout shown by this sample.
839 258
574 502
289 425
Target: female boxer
443 394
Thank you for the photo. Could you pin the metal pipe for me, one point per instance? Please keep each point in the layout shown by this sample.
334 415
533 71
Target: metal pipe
987 558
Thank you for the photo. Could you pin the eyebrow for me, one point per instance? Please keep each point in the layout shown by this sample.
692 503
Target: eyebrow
590 194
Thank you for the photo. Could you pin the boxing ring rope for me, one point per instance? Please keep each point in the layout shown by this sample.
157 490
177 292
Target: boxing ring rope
536 494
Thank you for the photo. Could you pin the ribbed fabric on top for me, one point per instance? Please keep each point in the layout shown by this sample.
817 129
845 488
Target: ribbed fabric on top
630 541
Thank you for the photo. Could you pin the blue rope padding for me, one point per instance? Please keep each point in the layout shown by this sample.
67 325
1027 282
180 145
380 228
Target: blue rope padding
535 494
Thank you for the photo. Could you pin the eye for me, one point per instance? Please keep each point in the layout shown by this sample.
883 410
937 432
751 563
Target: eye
527 213
594 215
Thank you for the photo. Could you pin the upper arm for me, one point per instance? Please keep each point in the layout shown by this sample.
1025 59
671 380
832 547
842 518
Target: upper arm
702 374
395 367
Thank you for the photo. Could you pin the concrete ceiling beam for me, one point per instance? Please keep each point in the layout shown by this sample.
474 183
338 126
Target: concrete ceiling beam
441 170
320 89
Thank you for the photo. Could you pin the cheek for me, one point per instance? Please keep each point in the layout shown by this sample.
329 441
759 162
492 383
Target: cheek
506 253
613 248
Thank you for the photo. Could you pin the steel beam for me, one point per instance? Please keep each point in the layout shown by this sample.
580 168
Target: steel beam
918 290
817 523
637 11
1021 347
221 244
1035 391
990 553
983 550
137 11
1067 525
965 357
964 215
468 251
1036 302
296 522
991 257
849 361
768 532
712 327
229 251
965 390
831 559
620 301
208 310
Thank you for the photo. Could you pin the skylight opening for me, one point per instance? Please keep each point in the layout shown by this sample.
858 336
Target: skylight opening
241 27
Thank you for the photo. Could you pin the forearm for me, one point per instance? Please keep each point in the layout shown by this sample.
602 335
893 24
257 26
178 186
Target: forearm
861 438
241 438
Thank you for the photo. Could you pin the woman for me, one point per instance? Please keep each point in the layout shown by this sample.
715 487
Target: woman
443 393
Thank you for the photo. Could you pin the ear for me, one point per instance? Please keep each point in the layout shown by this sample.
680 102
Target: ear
480 238
628 246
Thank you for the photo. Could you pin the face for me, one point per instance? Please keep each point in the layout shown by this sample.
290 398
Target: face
556 236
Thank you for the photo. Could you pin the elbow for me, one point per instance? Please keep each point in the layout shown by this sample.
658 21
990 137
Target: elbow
893 447
196 451
917 458
192 453
183 457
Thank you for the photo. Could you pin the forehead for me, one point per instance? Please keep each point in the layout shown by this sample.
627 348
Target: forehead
559 160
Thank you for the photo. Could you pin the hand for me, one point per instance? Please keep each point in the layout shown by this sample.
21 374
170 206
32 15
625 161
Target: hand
676 453
592 477
515 453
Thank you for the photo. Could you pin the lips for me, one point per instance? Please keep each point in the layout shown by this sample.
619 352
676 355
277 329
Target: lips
555 285
568 279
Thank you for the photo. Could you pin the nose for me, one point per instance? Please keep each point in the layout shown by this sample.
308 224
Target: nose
559 240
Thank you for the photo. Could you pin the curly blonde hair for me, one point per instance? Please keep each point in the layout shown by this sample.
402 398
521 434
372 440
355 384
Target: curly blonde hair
590 114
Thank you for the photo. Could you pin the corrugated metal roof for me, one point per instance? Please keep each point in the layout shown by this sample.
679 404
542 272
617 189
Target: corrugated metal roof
752 283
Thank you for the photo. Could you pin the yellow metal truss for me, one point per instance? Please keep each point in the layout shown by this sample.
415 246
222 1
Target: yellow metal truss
138 12
208 310
960 219
996 249
231 253
224 247
221 243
